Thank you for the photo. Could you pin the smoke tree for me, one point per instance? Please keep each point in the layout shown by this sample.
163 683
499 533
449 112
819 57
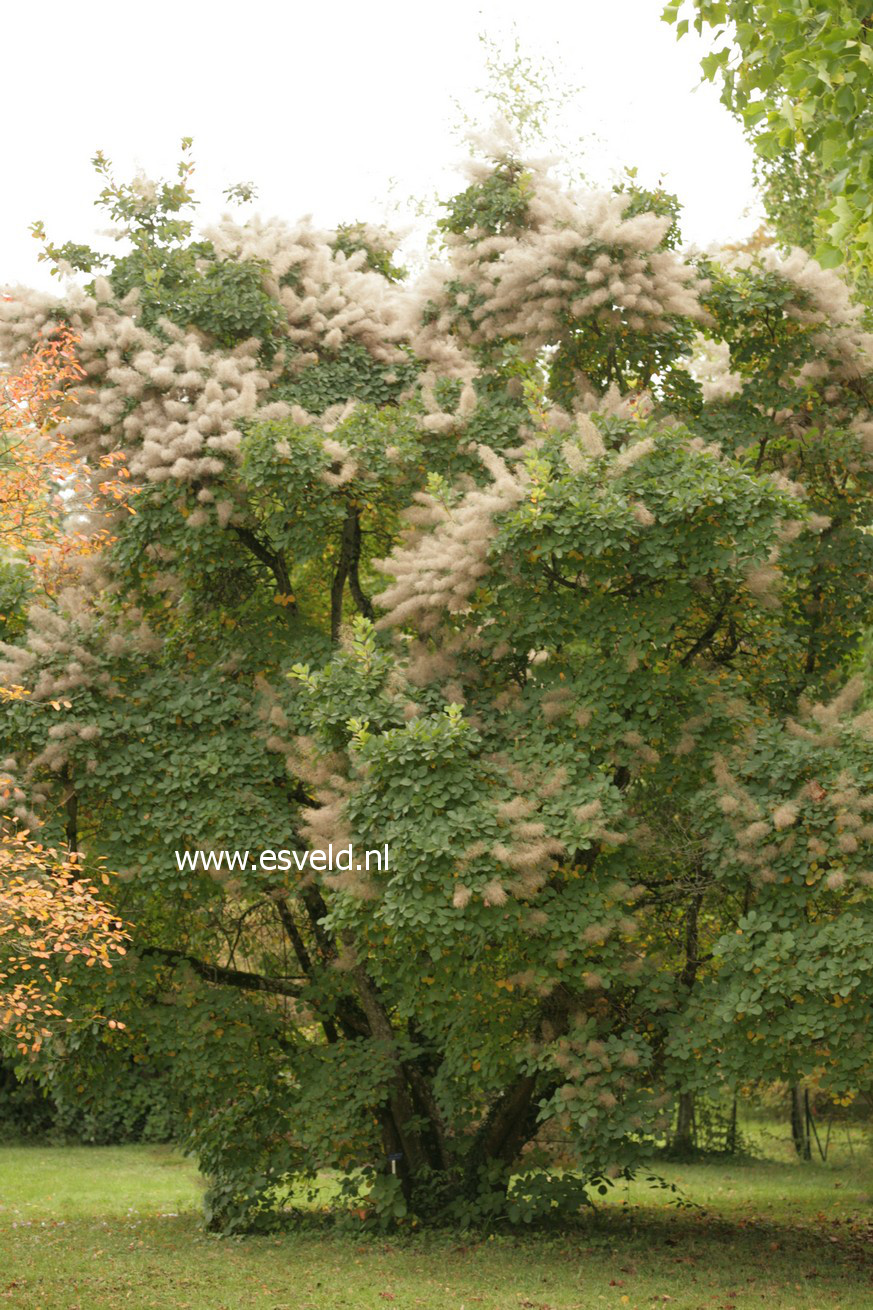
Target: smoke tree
547 572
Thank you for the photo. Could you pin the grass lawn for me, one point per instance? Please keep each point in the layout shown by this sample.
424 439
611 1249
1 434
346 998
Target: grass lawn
100 1228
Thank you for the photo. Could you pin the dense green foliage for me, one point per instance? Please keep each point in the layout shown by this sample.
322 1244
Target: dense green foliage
623 505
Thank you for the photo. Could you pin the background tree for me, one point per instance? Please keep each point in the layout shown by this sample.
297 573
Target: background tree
544 572
800 76
46 491
51 916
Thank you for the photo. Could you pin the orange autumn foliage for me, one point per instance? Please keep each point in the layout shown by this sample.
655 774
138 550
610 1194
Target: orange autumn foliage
51 915
45 493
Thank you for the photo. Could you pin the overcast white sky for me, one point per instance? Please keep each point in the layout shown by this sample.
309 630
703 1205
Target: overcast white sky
335 109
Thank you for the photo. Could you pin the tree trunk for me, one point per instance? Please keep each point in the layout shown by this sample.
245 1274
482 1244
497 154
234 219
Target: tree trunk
347 570
406 1138
799 1123
685 1135
732 1130
71 810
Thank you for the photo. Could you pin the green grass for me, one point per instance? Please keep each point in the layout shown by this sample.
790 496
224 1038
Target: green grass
100 1228
84 1182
